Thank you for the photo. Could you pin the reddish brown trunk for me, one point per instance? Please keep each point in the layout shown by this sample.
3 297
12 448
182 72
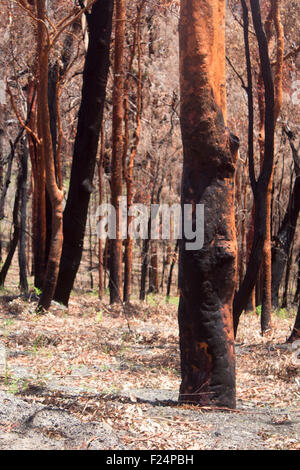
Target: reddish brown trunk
207 276
267 260
128 170
46 149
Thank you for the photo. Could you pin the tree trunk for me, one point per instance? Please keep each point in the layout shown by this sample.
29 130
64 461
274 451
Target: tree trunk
297 293
283 241
266 312
207 276
296 330
23 218
286 233
15 238
260 187
46 149
153 269
86 144
115 285
174 259
128 169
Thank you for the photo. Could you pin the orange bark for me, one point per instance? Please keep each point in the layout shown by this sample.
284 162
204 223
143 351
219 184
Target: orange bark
46 151
267 260
207 276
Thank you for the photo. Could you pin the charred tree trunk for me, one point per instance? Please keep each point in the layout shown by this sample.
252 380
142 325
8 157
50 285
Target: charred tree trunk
128 169
86 144
115 285
283 242
15 238
297 293
153 269
259 187
296 330
145 266
286 233
170 277
207 276
46 149
266 322
23 218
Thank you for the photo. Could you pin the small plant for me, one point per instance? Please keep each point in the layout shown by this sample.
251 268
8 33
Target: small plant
99 316
37 291
258 310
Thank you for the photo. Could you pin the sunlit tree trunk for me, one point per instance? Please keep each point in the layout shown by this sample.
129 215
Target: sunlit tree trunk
207 276
46 149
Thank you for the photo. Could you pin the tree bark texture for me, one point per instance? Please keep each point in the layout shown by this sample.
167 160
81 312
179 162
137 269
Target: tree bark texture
86 145
115 284
207 277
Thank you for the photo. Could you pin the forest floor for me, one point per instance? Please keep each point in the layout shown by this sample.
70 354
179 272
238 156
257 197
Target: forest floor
99 377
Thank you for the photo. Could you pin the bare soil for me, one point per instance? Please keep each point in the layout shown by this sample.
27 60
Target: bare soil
96 377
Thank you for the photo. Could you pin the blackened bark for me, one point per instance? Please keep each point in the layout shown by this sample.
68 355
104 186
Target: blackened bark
144 271
23 217
207 276
15 238
283 241
297 293
261 186
86 144
296 330
174 259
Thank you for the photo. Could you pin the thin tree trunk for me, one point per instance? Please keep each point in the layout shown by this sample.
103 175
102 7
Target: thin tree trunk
100 242
297 293
286 233
46 148
207 276
295 335
23 217
15 238
170 277
115 285
153 269
266 312
86 144
260 187
129 168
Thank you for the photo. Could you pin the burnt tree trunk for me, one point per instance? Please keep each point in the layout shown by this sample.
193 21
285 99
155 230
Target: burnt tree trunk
297 293
259 187
207 276
174 259
286 233
46 149
23 217
86 144
296 330
283 241
266 324
115 284
16 234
